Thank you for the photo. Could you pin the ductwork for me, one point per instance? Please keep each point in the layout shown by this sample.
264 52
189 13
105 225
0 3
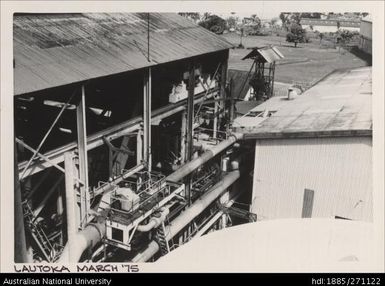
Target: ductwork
188 215
88 237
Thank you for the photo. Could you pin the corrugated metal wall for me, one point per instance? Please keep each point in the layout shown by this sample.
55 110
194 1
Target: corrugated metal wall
366 29
339 170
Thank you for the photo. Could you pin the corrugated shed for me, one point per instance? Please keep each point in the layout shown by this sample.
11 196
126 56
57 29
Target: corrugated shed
338 170
58 49
265 54
341 104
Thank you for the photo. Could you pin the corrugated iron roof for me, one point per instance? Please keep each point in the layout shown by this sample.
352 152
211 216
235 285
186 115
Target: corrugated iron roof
58 49
339 105
266 54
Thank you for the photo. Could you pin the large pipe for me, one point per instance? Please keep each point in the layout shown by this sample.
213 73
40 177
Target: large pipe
84 239
191 166
187 216
111 185
70 196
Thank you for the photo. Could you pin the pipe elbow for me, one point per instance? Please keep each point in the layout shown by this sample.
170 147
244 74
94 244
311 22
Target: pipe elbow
237 136
154 221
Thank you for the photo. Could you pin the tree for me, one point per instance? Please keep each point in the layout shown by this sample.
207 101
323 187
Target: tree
338 25
255 18
316 15
253 27
193 16
206 15
344 36
296 34
321 35
295 18
285 19
232 22
214 23
273 22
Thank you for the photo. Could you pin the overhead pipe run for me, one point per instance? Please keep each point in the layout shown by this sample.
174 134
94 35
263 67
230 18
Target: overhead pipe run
189 214
191 166
88 238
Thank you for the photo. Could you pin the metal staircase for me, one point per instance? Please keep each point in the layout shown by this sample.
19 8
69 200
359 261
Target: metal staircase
38 234
161 239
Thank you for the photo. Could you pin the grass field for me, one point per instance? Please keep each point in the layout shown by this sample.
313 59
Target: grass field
307 63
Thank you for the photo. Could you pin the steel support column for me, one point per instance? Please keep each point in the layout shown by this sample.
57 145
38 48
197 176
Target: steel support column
190 126
20 244
232 101
222 88
147 118
83 158
183 137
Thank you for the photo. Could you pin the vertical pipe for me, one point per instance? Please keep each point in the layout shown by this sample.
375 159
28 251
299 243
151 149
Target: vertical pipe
272 85
20 246
83 160
215 124
190 128
222 91
148 37
147 118
183 137
190 111
149 90
232 103
70 204
60 211
139 147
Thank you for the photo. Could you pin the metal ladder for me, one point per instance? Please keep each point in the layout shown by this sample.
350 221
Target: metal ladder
38 234
161 239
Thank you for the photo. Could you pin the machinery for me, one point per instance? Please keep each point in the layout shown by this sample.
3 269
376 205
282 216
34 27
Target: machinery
128 164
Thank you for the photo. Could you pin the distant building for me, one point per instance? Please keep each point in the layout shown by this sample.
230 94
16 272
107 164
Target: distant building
330 25
366 34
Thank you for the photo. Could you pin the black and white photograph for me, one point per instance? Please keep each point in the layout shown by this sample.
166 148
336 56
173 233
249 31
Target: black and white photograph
195 138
